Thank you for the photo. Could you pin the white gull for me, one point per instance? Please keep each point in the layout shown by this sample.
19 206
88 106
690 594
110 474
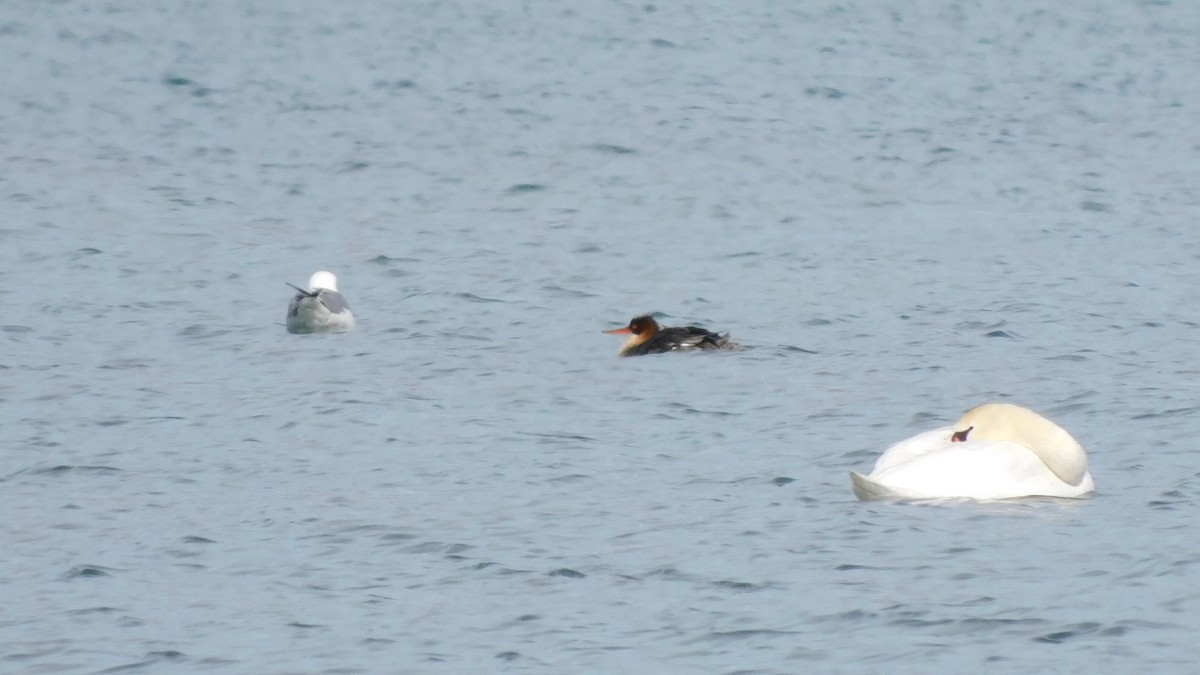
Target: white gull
321 308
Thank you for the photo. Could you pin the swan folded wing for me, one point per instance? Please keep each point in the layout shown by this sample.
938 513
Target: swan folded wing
988 470
910 448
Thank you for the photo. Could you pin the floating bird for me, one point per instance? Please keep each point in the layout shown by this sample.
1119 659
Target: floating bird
996 451
647 337
320 309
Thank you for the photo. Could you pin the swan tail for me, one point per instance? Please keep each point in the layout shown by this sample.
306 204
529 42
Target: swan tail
866 489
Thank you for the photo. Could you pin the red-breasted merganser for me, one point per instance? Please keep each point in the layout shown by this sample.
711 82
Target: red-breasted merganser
320 309
650 338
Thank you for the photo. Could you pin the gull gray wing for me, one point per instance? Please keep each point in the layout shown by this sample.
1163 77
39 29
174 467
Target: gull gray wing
333 301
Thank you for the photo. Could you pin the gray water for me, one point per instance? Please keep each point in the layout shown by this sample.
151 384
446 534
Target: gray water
949 203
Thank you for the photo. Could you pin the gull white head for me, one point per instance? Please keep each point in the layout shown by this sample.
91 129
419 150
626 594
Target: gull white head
322 279
1061 453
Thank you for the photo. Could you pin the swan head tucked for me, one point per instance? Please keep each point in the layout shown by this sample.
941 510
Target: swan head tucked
322 280
1010 423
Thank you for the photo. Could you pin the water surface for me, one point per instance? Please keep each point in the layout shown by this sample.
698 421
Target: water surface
947 203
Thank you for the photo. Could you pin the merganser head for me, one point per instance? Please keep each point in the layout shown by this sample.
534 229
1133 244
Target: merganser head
642 326
322 279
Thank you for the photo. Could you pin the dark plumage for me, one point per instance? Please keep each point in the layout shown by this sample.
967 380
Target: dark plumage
650 338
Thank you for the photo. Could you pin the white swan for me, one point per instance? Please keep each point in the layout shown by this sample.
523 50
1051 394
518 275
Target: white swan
996 451
321 308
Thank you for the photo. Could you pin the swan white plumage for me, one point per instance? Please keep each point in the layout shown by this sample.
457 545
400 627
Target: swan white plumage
996 451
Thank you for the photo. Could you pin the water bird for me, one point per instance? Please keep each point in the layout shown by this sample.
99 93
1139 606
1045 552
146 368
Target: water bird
321 308
995 451
647 337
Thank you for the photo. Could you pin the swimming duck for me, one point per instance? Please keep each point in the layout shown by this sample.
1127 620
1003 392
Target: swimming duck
647 337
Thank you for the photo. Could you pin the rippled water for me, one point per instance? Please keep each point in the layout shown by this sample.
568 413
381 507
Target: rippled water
948 203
